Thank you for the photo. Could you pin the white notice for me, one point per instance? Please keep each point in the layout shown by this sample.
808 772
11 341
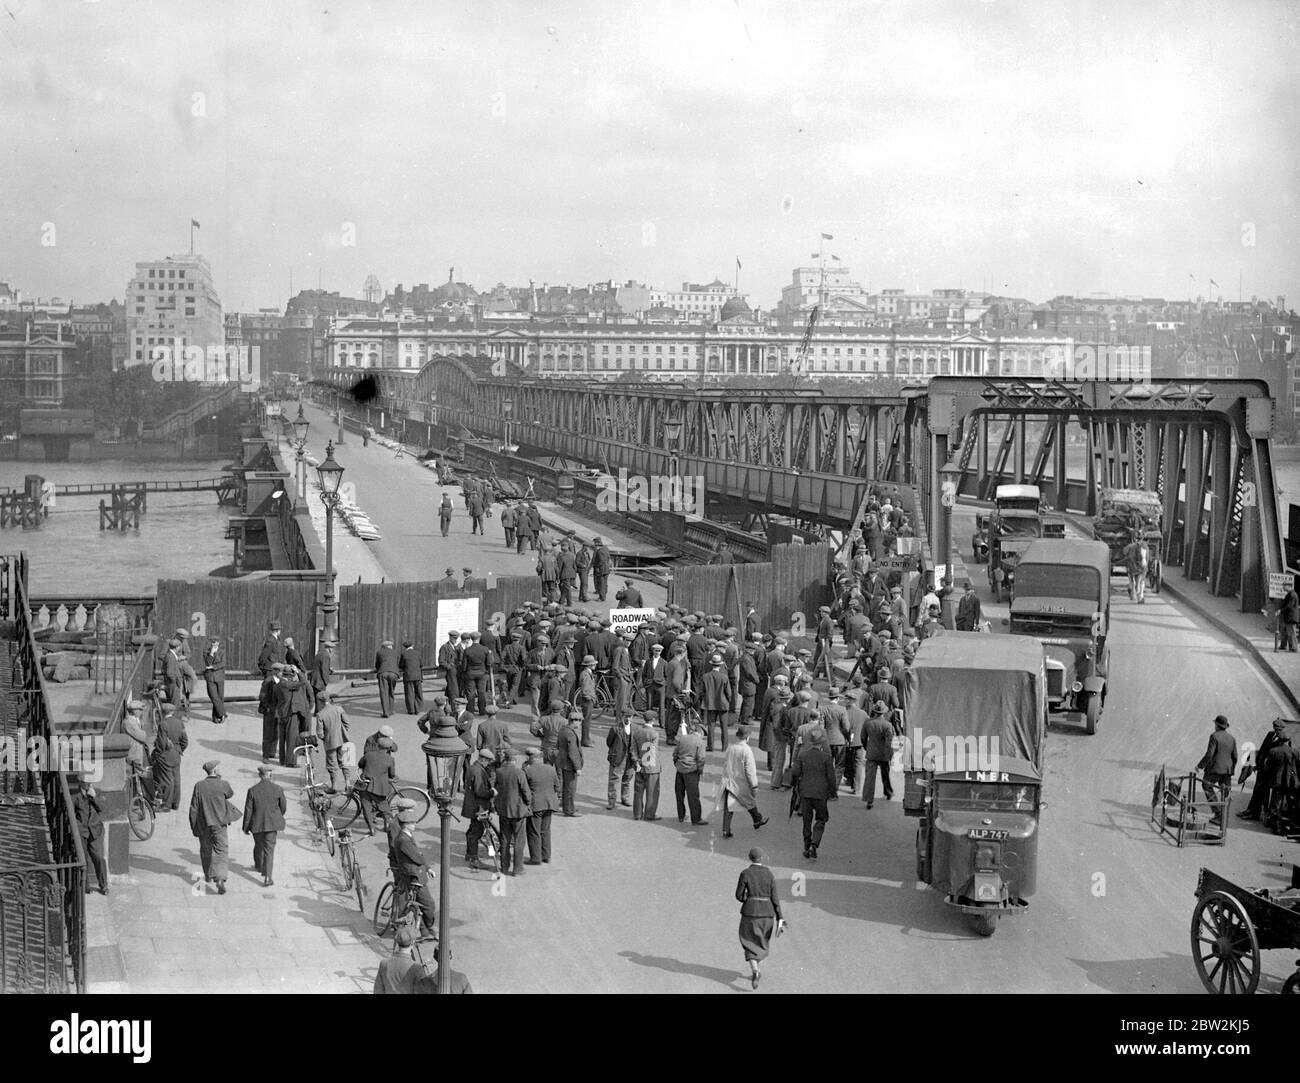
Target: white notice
456 614
628 618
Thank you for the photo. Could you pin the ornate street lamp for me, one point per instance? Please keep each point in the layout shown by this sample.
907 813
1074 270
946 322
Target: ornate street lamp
672 437
949 485
300 425
507 408
445 752
330 475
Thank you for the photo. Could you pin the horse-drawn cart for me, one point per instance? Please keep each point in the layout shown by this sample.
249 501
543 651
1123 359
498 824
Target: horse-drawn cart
1125 514
1231 925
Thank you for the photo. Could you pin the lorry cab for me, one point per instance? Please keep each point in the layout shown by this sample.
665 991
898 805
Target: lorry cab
1018 498
1063 600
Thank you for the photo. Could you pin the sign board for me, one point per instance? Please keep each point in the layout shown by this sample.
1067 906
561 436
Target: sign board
940 570
1279 583
619 619
455 614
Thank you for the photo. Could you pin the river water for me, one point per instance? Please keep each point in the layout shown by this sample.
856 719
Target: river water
181 536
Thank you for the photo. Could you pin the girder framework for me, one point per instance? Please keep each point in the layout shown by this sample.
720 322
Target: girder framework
1203 445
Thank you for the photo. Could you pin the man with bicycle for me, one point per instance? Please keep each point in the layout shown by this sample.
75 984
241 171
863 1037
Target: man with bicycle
411 871
479 792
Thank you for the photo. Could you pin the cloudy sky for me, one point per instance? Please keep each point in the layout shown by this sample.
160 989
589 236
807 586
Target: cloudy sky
1030 148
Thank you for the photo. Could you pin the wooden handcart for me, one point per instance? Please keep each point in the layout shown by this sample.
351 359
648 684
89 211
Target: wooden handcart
1231 925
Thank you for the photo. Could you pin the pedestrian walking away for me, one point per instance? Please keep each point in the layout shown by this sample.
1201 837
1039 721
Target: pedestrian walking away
544 782
387 672
1219 764
760 912
264 809
210 815
814 776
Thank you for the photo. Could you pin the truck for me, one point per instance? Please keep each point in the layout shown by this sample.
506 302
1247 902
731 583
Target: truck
1063 600
1018 517
973 770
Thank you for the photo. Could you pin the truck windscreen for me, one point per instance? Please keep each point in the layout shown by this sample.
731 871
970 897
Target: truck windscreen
1057 581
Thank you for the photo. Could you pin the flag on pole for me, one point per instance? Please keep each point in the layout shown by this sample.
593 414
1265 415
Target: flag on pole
195 224
827 237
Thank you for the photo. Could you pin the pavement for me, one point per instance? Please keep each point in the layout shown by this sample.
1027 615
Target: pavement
649 906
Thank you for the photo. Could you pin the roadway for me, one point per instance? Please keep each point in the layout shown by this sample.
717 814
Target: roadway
648 907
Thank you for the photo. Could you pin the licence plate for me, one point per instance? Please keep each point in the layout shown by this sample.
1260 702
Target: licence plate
996 834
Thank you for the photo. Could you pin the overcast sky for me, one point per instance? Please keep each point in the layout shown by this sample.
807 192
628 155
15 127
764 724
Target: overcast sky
1029 148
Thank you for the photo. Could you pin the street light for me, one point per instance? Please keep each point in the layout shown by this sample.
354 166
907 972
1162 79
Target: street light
445 752
300 426
950 482
330 475
507 408
672 437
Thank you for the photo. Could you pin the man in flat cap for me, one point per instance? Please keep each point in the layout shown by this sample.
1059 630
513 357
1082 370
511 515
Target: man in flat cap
600 566
544 781
411 666
90 824
411 870
568 762
169 745
401 972
449 663
387 673
1259 798
1219 763
174 676
272 649
480 789
209 816
629 597
445 510
715 700
264 809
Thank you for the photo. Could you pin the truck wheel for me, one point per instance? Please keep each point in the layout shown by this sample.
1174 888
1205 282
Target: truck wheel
984 924
1092 713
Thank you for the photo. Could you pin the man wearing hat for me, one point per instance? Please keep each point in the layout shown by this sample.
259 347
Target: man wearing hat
387 672
568 762
479 791
139 753
333 723
210 813
268 706
582 563
814 776
548 570
85 806
174 676
401 972
214 678
753 625
1219 763
825 634
653 673
476 660
584 699
544 782
514 807
272 649
1281 774
514 657
449 578
600 565
629 597
411 666
169 745
445 509
449 663
715 700
877 737
1259 798
264 808
411 870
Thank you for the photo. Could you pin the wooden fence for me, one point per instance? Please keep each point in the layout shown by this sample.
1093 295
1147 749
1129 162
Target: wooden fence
238 611
793 582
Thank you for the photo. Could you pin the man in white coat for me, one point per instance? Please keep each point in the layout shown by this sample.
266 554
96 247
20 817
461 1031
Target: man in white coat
739 782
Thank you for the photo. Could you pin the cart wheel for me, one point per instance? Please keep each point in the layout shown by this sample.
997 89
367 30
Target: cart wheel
984 924
1092 713
1292 984
384 910
1224 946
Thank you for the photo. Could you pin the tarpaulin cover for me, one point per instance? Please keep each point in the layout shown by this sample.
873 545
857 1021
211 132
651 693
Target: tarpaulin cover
981 685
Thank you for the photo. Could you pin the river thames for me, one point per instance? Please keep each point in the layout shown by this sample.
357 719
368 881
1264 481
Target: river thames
181 536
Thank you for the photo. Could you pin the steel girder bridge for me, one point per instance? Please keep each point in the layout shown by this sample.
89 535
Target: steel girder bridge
1204 446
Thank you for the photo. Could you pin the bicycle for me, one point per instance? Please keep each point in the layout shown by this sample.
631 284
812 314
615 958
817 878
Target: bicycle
490 841
394 908
351 867
352 806
321 807
604 703
140 808
420 796
303 755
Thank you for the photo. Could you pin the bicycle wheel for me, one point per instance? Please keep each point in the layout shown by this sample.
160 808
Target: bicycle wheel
421 799
359 885
383 919
492 843
331 836
345 862
141 817
348 811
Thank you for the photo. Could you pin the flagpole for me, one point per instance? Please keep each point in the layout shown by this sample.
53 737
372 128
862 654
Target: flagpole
191 236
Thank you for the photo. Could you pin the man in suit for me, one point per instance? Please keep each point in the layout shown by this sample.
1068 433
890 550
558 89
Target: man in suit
266 706
622 763
688 760
387 672
449 663
401 972
1219 764
170 743
513 659
508 524
523 530
208 822
855 764
567 566
752 623
272 649
549 727
477 658
600 565
289 700
544 782
334 724
568 761
582 562
548 570
629 597
514 807
174 676
85 805
479 791
746 683
653 674
969 613
494 735
411 667
322 670
585 697
878 745
715 700
814 774
411 870
475 506
214 678
264 808
1259 798
620 674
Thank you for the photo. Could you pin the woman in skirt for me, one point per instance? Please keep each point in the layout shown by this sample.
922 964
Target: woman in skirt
760 912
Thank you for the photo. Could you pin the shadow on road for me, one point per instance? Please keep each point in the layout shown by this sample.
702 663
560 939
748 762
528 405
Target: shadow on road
730 978
1168 973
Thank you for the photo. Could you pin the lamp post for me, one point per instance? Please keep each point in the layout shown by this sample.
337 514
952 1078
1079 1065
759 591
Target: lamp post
300 426
330 475
445 752
338 412
950 480
672 437
507 408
